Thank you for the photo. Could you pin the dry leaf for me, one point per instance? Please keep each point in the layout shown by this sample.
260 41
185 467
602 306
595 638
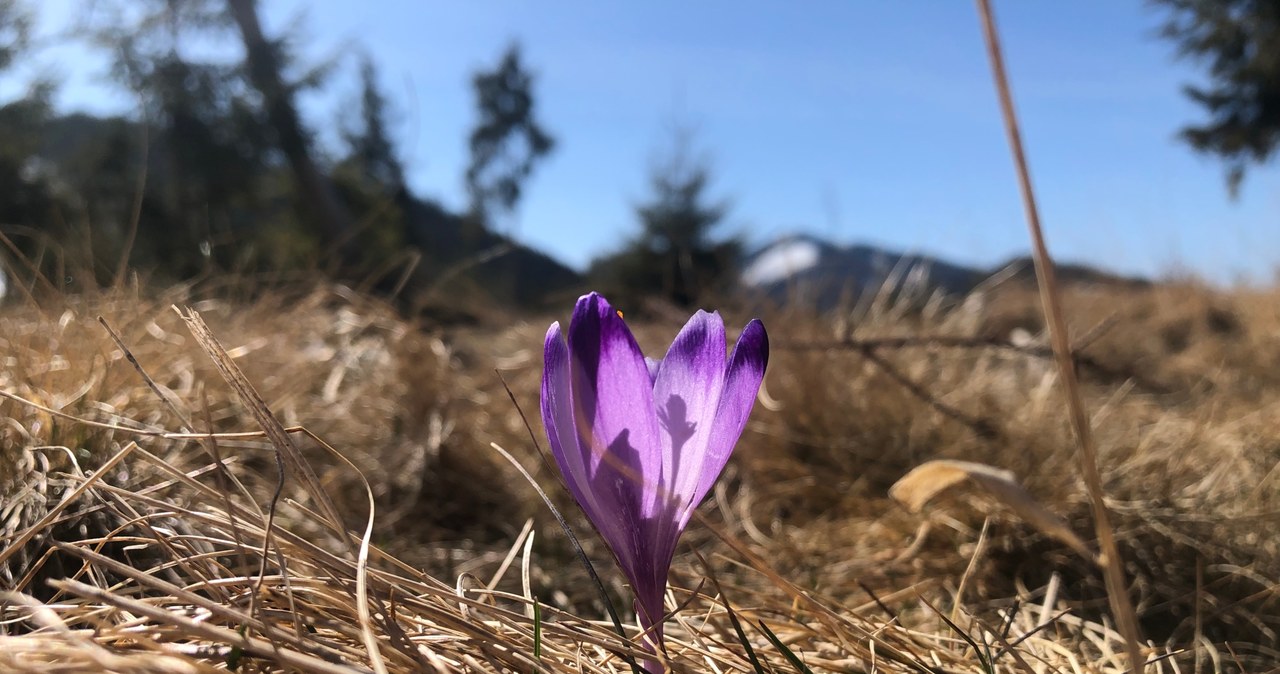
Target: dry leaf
927 480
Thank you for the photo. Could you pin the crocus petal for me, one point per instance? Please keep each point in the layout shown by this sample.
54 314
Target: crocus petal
557 418
653 364
617 429
742 383
686 393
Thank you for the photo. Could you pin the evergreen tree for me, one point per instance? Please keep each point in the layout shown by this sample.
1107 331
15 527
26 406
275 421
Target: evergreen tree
1240 42
15 31
508 141
264 65
28 199
676 255
370 179
208 145
219 171
233 178
370 149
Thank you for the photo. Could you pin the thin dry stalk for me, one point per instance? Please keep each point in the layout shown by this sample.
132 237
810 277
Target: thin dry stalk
1113 570
262 414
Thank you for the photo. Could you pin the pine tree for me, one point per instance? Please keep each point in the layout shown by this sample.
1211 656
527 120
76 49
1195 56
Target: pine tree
370 149
207 143
1240 42
27 200
676 254
508 141
15 31
264 64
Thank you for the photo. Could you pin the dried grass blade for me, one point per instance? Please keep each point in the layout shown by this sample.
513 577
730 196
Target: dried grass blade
733 616
187 426
275 431
23 538
367 634
829 617
577 547
526 579
795 661
148 580
251 645
1113 570
88 422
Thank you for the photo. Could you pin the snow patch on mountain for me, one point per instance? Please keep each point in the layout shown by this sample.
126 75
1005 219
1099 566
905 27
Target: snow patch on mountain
781 261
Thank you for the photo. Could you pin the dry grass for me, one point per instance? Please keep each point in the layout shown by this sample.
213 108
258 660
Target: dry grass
132 545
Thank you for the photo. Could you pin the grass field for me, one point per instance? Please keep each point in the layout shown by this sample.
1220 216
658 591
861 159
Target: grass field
146 526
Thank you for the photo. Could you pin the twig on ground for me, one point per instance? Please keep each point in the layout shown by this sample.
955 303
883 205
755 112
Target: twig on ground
953 342
981 427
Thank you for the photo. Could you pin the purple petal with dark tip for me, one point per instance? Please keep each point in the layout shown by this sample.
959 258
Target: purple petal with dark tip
616 427
686 393
742 383
558 419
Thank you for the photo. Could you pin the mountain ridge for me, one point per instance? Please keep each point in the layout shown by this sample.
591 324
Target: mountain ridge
822 272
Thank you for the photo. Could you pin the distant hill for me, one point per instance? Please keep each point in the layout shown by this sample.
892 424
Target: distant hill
1023 269
509 270
454 249
820 273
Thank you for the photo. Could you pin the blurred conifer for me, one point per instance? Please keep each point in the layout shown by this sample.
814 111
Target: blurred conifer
1239 40
676 255
508 140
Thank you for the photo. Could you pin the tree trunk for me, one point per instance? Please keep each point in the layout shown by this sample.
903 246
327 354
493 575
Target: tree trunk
264 72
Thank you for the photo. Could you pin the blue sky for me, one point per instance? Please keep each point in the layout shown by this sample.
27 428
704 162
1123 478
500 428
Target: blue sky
861 121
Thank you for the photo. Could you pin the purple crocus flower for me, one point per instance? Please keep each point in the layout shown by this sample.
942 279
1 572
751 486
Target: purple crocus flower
639 441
